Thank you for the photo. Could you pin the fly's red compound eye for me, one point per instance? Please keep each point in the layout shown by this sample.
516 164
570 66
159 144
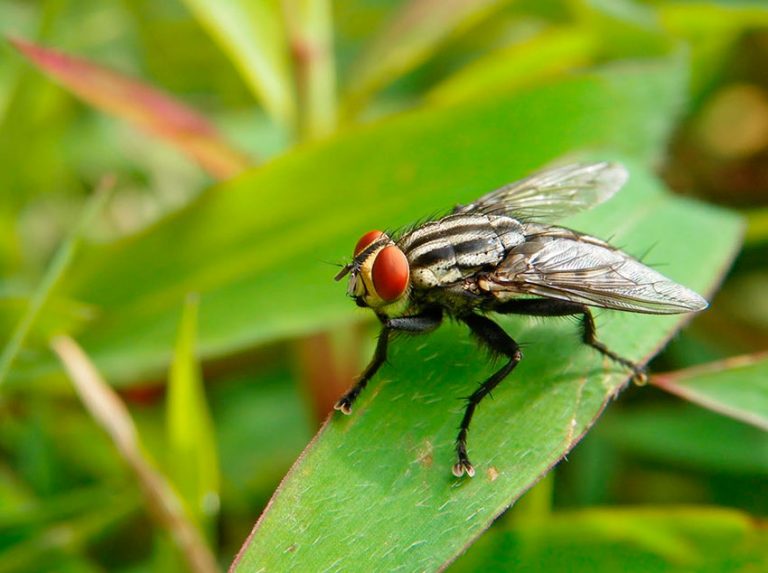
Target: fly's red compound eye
390 273
366 241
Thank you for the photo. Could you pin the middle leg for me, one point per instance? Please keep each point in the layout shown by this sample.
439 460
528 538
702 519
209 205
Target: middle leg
497 341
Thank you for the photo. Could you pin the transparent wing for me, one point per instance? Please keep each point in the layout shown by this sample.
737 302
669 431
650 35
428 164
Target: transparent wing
553 193
565 265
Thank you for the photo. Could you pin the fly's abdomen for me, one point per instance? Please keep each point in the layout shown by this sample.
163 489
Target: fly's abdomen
443 252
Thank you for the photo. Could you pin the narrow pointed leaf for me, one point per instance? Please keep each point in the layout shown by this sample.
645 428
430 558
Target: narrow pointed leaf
735 387
527 63
251 33
192 455
384 472
141 105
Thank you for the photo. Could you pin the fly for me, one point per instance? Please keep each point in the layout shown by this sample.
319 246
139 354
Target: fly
501 255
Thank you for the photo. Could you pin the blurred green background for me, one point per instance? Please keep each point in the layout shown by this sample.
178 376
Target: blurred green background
199 282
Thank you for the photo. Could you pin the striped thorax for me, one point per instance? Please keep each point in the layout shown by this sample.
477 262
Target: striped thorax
444 252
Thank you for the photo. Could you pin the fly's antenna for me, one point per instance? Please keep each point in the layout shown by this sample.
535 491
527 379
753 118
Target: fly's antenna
343 272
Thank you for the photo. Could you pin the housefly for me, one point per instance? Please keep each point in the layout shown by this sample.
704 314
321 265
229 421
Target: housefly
501 254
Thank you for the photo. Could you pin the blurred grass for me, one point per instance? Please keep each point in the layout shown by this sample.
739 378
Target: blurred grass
669 539
675 87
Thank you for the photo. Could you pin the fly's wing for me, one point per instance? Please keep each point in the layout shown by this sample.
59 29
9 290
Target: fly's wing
553 193
565 265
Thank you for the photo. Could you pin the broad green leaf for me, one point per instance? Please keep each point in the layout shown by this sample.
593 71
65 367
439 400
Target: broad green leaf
251 33
257 249
415 31
529 62
631 540
144 106
193 462
384 472
689 437
736 387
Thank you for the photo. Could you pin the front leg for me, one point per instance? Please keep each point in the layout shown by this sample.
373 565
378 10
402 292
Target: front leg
417 324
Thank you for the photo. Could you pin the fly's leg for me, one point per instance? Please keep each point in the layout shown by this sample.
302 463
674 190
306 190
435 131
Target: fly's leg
550 307
418 324
379 357
493 337
589 336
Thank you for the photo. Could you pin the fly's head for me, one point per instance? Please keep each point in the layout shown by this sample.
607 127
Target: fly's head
379 274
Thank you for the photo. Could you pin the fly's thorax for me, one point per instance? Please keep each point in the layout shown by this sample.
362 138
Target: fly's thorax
380 274
446 251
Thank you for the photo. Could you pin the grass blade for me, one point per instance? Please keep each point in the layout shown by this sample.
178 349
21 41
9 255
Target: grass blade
53 274
193 459
109 411
251 33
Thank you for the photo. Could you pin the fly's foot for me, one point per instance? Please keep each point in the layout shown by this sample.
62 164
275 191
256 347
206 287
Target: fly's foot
344 405
463 465
639 375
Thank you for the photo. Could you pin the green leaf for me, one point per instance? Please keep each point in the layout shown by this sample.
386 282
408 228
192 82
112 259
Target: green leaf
414 33
55 271
193 463
252 35
710 29
736 387
44 543
257 248
142 105
310 31
669 539
384 472
625 28
689 437
543 56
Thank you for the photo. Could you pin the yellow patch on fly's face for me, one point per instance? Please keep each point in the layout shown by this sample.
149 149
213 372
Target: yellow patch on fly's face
361 286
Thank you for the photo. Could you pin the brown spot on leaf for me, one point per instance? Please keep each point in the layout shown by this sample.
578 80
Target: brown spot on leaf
425 457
